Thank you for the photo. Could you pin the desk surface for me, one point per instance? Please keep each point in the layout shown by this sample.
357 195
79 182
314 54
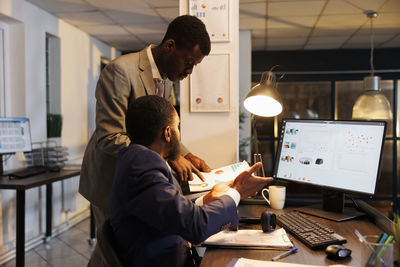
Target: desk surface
221 257
37 180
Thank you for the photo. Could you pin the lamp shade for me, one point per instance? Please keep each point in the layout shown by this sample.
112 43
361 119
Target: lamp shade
263 99
372 104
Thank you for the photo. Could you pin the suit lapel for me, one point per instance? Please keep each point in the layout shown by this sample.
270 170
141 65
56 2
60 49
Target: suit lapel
145 73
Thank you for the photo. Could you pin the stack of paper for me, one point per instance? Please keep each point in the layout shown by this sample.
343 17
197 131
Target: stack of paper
251 238
223 174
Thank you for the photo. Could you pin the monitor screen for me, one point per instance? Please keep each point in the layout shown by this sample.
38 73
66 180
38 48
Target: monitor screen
15 135
342 155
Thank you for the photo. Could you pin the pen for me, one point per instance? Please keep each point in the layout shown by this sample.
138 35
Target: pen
382 237
362 240
285 254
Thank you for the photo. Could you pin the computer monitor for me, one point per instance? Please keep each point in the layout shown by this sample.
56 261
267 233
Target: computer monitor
15 136
339 156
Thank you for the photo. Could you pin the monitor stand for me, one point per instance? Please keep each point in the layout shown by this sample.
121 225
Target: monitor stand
332 208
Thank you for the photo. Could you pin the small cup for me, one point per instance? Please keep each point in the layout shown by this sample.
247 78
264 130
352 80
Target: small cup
277 195
374 254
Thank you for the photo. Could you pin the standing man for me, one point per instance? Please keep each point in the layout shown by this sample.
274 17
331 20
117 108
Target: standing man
126 78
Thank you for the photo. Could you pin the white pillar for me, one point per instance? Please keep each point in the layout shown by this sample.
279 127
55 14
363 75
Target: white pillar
214 136
244 88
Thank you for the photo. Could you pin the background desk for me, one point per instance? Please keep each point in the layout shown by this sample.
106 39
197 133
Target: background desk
21 185
220 257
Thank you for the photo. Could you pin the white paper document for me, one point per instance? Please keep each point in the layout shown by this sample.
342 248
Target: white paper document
243 262
223 174
250 238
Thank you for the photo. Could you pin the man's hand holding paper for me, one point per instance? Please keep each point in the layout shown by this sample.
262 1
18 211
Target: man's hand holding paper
217 191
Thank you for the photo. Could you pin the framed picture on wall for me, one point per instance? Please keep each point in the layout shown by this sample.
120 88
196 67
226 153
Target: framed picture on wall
210 85
215 15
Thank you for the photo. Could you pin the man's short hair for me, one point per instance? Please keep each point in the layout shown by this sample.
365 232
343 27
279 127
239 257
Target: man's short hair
147 116
187 31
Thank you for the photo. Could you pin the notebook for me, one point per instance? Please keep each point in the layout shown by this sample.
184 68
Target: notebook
250 238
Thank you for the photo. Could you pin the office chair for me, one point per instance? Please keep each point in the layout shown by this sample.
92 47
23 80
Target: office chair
106 244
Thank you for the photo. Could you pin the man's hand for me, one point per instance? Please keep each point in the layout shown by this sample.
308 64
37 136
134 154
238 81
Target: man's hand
217 191
184 169
248 185
200 164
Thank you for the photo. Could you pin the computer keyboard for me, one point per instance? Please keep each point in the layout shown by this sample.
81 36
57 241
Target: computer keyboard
311 233
30 171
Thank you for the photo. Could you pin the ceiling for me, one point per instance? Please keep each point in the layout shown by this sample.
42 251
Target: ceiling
275 24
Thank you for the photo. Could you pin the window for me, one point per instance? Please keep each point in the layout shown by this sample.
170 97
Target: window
331 99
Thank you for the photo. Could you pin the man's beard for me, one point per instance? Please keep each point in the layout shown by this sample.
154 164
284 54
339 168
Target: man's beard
174 146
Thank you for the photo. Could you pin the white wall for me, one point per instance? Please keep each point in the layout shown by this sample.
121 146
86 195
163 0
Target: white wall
25 27
214 136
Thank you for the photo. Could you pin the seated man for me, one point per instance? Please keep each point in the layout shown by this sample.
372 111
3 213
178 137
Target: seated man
151 219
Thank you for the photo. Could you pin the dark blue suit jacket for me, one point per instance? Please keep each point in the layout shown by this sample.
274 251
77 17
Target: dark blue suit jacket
150 217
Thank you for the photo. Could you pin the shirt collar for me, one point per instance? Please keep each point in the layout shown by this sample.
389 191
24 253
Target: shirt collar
154 69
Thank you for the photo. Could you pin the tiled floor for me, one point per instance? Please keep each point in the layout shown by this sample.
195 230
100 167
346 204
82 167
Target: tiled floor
69 249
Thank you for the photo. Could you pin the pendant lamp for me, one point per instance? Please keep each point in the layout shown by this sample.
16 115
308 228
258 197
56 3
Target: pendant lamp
372 104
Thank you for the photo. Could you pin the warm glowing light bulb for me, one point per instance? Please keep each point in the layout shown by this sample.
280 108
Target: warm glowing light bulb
264 106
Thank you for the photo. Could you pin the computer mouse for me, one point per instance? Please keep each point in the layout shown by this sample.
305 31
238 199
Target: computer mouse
337 252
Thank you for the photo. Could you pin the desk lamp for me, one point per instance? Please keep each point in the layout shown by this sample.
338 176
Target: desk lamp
263 100
372 104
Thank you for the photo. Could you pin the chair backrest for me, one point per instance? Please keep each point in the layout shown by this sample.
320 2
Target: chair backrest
106 244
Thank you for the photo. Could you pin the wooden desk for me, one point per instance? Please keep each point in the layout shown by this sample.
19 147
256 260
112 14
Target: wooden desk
21 185
220 257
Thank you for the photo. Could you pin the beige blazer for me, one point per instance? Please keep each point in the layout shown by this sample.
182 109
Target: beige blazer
121 82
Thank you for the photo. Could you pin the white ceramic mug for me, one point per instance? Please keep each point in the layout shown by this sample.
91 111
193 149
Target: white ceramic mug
277 195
